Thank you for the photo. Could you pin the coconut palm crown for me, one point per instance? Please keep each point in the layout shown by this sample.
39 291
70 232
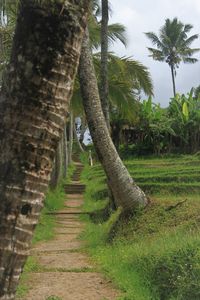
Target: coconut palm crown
173 45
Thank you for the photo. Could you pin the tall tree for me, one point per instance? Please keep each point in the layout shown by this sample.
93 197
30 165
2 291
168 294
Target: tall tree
33 104
126 193
173 45
104 62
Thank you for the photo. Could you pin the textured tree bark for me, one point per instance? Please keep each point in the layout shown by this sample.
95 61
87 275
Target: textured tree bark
126 193
58 164
65 152
52 182
83 130
77 140
34 102
173 80
71 137
104 63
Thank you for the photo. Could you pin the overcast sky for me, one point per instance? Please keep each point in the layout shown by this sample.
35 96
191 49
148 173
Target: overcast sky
149 15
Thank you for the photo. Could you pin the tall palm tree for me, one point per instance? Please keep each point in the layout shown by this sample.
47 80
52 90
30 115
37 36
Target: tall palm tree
34 102
173 45
127 194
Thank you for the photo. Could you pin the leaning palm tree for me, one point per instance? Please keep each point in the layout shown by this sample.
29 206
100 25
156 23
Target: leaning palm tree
34 102
126 193
173 45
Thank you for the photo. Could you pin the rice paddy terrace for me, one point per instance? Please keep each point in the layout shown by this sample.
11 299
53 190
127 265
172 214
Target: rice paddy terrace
154 255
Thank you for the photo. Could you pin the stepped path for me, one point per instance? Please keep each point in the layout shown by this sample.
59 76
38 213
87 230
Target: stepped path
64 271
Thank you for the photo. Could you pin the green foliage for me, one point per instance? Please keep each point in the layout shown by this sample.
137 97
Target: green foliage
177 276
197 92
54 198
165 130
156 254
44 230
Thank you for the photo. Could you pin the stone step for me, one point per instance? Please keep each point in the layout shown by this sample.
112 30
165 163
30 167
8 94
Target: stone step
74 185
74 188
74 192
67 213
77 188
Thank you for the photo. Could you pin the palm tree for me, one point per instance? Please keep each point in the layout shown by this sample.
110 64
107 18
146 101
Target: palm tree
132 77
173 45
115 32
34 102
127 194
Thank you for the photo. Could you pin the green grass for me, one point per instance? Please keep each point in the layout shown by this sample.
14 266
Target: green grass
156 254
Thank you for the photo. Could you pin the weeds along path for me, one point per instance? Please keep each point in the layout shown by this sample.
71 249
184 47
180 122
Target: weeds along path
63 271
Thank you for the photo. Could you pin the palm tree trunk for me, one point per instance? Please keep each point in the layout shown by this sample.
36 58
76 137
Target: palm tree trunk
56 173
82 131
77 140
104 63
58 163
173 79
65 152
71 137
34 102
126 193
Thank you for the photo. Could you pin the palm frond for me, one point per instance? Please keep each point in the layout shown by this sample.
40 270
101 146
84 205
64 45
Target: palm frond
156 54
188 41
190 60
155 40
187 28
117 31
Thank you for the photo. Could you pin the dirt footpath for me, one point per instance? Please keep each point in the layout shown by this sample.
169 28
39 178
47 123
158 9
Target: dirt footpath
67 273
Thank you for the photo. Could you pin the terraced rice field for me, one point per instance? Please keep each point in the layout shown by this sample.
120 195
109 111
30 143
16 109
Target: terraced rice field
155 254
179 175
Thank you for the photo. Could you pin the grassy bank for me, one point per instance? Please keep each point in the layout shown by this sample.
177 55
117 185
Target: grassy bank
45 229
156 255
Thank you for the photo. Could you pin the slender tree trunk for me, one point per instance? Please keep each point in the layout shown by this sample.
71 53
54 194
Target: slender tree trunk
83 130
126 193
52 182
58 163
104 63
57 167
71 137
34 102
173 80
77 140
65 152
